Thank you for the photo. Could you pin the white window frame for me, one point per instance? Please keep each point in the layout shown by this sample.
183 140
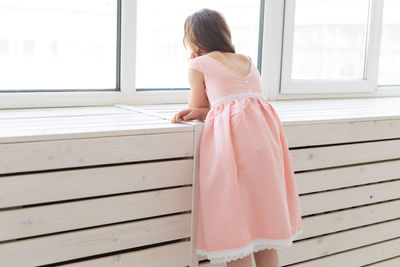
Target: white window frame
277 58
127 93
273 74
289 85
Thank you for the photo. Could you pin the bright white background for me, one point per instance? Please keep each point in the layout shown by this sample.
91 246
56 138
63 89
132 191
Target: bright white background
56 45
161 57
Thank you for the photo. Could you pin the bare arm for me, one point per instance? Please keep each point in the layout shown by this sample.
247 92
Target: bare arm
198 105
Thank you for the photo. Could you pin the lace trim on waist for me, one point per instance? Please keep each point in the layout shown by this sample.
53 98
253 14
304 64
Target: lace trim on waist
236 96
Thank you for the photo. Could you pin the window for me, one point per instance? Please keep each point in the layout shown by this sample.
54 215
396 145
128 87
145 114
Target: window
325 47
340 47
160 50
389 63
329 39
48 45
102 52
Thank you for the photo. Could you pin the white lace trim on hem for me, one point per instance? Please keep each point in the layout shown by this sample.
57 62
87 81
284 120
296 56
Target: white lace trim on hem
236 96
223 256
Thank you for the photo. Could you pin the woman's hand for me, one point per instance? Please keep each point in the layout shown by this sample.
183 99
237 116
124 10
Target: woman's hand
191 114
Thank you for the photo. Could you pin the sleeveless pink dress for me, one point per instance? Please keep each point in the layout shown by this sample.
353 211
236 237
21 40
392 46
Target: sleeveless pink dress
248 199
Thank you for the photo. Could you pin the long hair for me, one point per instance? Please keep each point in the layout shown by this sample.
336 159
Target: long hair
208 30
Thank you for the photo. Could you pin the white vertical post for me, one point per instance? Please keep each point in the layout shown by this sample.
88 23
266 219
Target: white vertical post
128 47
198 129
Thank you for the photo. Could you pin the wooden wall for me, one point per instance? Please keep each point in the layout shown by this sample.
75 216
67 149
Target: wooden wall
95 187
116 186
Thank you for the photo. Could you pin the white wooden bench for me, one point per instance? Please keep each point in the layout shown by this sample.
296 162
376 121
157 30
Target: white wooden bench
116 185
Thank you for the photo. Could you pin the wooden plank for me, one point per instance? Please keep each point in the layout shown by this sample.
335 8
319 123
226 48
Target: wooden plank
315 226
287 112
93 132
296 117
34 156
152 110
336 118
345 132
351 105
72 119
393 262
350 218
364 104
84 126
360 256
154 107
17 125
48 124
43 124
195 196
45 219
60 112
328 179
84 243
89 182
338 242
302 111
330 112
171 255
297 112
341 155
349 197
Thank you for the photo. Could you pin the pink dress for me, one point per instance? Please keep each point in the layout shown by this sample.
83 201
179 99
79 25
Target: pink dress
248 199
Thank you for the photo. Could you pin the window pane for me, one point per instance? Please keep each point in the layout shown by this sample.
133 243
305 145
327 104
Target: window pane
329 39
58 44
389 65
161 58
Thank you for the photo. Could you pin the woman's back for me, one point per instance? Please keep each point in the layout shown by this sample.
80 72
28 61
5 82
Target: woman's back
227 75
237 62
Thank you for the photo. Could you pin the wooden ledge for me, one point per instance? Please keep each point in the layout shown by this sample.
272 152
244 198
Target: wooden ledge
38 124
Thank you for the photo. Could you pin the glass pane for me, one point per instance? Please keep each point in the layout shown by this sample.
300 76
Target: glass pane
389 65
58 44
160 51
330 39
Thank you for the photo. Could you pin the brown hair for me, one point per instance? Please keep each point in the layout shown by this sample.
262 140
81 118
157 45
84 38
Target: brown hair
208 30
